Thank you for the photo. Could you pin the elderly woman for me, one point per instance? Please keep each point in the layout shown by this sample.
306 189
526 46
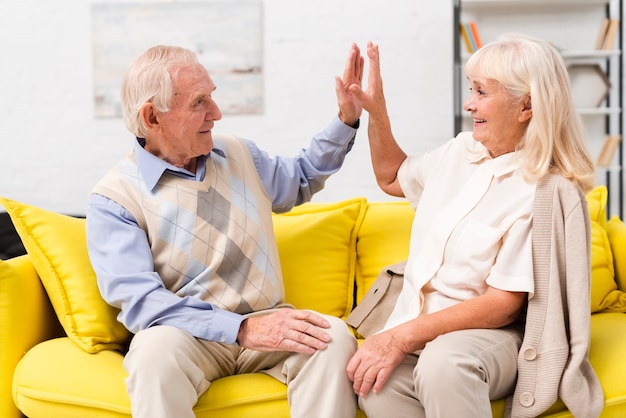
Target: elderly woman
452 342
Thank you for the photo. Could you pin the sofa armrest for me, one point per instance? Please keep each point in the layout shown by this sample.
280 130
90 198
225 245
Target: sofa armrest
26 319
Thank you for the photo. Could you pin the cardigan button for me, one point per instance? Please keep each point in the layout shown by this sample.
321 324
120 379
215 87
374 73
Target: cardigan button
530 354
527 399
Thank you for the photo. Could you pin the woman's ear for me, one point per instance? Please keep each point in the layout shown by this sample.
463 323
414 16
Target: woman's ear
527 110
149 116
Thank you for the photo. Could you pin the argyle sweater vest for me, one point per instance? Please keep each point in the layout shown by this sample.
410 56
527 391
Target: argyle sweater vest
214 239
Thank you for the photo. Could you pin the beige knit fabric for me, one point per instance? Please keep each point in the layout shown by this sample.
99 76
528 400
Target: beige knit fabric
212 239
553 360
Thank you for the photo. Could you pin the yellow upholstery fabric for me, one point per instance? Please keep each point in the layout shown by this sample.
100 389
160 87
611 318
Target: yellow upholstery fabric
247 395
56 244
604 293
616 231
383 240
317 247
59 379
596 202
606 355
26 318
8 355
100 391
99 387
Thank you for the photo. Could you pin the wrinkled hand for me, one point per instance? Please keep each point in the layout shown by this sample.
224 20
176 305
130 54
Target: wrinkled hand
350 108
373 98
285 330
372 365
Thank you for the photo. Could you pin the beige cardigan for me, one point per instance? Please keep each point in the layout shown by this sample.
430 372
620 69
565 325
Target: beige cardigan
553 361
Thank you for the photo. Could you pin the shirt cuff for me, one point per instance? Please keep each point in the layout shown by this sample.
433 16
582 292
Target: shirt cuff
228 324
340 129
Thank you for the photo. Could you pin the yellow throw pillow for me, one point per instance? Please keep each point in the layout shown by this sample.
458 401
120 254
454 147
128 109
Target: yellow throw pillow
317 248
604 293
383 240
596 202
57 246
616 231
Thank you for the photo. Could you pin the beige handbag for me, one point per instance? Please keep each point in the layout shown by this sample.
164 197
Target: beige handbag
370 316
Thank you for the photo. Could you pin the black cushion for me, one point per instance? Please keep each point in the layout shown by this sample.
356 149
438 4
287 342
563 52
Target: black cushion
10 242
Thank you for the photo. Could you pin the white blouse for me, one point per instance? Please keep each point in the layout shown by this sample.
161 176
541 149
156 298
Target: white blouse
472 227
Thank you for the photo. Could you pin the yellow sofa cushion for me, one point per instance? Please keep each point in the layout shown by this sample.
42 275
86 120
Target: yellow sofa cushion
56 378
596 202
77 384
606 355
26 318
604 293
317 247
616 231
57 246
383 240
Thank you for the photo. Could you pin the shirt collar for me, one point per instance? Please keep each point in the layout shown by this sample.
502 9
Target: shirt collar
502 165
152 167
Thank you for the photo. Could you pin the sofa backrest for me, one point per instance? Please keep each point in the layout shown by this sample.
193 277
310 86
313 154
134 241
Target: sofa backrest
331 253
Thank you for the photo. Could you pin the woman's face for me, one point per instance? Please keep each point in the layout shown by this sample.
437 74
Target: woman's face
499 122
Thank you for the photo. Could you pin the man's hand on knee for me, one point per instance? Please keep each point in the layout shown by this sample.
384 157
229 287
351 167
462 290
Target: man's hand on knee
292 330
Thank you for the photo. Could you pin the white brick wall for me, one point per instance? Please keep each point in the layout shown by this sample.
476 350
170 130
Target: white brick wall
53 150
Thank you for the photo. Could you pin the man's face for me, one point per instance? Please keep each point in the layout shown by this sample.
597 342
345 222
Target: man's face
184 131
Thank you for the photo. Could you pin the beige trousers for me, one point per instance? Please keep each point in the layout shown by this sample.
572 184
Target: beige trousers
456 375
169 369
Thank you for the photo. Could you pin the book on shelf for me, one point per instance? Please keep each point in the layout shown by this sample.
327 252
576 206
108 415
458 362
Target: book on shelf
602 34
471 38
608 33
611 143
611 34
475 36
466 38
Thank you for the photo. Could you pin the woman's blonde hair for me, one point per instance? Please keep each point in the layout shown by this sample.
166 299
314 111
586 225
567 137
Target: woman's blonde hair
149 79
554 140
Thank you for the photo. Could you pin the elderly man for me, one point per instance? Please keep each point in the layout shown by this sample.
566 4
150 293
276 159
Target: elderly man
180 235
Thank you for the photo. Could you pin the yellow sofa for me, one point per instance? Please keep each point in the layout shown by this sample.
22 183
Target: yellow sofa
61 348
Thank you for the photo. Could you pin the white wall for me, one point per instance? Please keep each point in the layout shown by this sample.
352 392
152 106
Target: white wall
53 150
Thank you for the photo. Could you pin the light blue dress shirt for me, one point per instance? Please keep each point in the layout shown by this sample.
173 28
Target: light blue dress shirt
120 252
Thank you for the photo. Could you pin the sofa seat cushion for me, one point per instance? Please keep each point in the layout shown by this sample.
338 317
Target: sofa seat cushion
608 346
56 378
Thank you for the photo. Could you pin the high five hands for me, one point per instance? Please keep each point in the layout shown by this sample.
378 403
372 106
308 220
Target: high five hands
349 107
372 99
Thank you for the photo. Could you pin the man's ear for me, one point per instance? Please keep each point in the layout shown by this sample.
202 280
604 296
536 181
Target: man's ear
149 116
527 110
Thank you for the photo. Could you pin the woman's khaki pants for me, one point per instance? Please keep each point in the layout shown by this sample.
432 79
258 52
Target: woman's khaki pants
456 375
